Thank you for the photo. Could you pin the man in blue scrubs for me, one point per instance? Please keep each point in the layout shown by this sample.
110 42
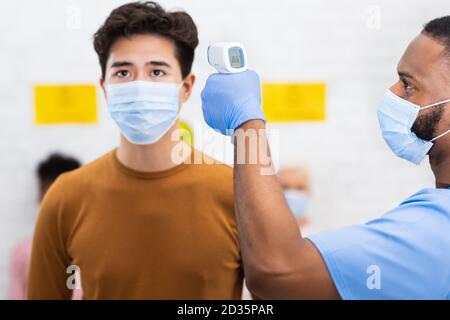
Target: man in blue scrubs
405 254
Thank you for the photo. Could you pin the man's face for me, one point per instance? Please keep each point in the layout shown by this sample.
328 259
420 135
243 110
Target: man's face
424 78
148 58
294 178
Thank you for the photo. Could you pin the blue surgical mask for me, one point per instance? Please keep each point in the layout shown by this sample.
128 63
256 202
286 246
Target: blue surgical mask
143 110
297 201
396 117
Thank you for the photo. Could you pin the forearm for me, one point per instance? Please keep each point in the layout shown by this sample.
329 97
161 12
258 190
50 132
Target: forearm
278 262
269 236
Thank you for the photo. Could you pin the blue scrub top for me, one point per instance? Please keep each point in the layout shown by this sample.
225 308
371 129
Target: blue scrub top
404 254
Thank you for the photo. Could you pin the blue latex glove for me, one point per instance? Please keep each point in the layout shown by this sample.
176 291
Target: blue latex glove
230 99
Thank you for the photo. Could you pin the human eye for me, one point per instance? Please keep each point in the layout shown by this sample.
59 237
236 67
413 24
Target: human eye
157 73
407 85
122 74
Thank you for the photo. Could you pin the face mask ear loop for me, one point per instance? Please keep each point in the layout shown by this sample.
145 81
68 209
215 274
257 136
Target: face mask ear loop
439 136
434 104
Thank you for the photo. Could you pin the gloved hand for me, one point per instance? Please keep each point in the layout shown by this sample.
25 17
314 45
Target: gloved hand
230 99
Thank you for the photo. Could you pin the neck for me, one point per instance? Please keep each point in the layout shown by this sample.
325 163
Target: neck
152 157
440 164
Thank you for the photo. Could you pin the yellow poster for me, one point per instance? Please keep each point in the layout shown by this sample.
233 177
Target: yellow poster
59 104
288 102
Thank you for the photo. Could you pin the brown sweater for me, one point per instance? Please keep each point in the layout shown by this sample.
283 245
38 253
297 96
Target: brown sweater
135 235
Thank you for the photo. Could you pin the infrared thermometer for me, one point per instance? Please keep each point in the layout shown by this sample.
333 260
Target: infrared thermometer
227 57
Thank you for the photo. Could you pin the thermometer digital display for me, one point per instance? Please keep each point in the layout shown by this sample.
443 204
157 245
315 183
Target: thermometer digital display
227 57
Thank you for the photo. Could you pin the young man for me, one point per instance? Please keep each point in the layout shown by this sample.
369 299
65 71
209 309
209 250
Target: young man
142 221
402 255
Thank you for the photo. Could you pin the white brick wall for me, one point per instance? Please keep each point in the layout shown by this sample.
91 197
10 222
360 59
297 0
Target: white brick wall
355 176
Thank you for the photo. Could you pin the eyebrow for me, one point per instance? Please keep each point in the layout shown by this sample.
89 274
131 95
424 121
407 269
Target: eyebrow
404 74
158 63
118 64
121 64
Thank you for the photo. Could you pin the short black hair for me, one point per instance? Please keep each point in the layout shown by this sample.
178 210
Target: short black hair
439 30
149 17
54 165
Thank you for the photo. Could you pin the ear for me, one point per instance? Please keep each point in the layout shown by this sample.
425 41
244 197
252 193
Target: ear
101 81
186 90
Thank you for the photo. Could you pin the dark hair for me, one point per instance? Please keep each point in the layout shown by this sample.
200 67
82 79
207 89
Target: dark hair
56 164
439 30
148 18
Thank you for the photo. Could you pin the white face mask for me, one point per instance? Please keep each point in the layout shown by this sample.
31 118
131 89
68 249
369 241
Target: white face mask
297 201
143 110
396 117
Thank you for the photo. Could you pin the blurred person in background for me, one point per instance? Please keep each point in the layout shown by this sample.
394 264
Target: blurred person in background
47 172
295 182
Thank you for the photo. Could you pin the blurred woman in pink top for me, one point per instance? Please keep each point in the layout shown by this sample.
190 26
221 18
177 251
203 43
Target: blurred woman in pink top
47 172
